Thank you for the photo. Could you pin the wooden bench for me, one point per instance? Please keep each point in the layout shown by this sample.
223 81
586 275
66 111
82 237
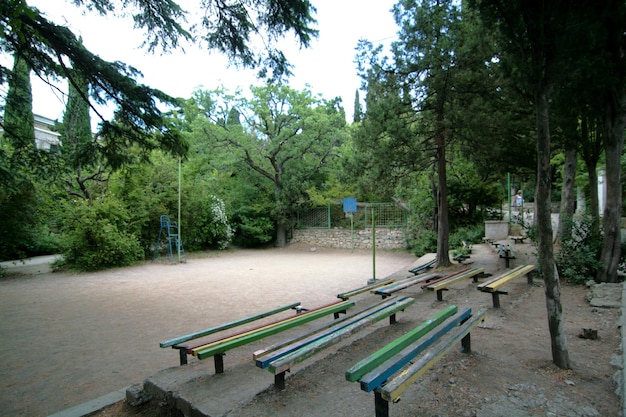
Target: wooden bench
431 340
281 357
442 285
518 239
505 251
367 288
217 348
389 289
424 267
493 285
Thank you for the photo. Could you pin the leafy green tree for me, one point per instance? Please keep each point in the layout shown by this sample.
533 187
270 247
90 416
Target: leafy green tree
285 138
19 196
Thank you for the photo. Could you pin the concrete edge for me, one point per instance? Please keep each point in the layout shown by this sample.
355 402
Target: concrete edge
92 406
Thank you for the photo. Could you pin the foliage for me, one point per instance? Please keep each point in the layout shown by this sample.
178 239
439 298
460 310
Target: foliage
205 222
578 259
423 242
95 235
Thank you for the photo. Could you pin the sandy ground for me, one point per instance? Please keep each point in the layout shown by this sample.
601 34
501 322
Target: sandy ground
509 373
70 338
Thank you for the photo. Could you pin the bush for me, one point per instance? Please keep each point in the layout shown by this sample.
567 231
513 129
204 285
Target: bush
94 236
423 243
579 256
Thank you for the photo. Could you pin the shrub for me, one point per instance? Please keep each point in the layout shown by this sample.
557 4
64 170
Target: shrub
94 236
579 256
423 243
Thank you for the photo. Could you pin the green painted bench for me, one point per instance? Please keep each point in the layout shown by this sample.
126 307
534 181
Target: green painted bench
493 285
217 348
391 370
281 357
440 286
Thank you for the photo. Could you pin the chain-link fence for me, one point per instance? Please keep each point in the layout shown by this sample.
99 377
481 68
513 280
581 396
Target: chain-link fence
381 214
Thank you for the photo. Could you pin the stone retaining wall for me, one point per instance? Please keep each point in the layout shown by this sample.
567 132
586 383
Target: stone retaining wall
343 238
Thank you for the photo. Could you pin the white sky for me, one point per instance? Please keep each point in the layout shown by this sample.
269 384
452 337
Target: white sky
327 67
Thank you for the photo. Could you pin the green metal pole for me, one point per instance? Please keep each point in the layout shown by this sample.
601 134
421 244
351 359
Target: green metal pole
373 246
179 229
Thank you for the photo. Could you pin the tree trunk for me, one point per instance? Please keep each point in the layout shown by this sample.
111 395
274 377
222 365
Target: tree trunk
560 355
568 192
615 122
281 235
443 224
594 200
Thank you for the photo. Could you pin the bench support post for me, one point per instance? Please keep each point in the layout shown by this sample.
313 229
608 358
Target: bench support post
392 319
466 344
440 294
279 380
381 406
496 298
182 354
218 359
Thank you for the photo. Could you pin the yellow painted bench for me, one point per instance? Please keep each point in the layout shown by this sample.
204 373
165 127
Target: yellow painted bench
493 285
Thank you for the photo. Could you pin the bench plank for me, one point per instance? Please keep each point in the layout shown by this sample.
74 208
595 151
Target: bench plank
368 364
263 357
423 267
346 295
392 391
387 290
286 362
379 375
451 280
211 330
493 284
221 346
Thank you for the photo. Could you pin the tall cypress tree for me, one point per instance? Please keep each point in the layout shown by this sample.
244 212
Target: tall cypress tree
19 121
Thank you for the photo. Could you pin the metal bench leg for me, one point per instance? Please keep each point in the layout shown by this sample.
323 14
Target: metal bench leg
466 344
279 380
392 319
496 299
219 363
440 294
182 354
381 406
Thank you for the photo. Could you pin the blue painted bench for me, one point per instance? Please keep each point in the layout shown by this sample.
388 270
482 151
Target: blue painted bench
392 369
281 357
424 267
402 284
217 348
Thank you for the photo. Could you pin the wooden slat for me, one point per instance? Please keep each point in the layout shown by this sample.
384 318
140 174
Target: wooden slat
493 284
446 282
392 391
381 374
224 345
444 277
226 326
346 295
287 361
374 360
265 356
405 283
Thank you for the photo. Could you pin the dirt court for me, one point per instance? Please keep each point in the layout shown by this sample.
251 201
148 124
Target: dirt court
72 338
